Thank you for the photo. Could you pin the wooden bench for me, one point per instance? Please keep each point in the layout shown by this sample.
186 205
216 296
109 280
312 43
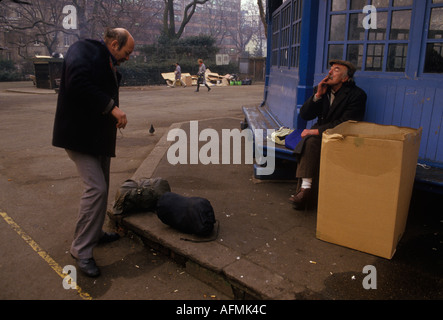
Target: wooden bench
260 117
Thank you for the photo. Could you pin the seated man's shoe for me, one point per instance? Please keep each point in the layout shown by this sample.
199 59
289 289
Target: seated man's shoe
301 199
88 267
109 237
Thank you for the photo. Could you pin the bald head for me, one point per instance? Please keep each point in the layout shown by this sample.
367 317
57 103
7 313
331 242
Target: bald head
119 34
120 43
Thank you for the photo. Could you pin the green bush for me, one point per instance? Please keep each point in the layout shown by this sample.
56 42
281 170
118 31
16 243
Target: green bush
8 71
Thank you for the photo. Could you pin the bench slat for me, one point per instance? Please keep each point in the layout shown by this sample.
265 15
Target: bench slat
258 117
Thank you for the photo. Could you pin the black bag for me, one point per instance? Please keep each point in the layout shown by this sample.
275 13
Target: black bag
140 195
192 215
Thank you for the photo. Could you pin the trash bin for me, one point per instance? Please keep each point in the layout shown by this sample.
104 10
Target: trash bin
47 71
367 175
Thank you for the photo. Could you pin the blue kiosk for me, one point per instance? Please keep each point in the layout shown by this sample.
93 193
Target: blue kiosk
397 46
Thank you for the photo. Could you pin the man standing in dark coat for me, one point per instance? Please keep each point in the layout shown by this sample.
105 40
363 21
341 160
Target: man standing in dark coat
336 99
86 122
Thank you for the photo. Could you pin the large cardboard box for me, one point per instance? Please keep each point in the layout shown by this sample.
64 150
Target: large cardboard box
366 179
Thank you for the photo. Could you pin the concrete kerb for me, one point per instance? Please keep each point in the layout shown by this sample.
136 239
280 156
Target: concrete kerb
32 90
221 267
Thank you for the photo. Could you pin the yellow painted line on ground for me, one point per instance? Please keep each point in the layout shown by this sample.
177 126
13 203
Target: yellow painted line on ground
43 254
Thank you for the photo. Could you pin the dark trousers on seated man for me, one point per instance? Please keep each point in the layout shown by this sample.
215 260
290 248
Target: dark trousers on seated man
336 99
308 168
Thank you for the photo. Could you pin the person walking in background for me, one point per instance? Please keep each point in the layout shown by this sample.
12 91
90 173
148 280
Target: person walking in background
178 75
87 117
201 75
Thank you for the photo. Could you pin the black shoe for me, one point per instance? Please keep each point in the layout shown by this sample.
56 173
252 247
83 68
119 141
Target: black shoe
109 237
88 267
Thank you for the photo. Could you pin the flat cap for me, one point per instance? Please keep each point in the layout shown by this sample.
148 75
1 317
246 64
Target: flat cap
352 69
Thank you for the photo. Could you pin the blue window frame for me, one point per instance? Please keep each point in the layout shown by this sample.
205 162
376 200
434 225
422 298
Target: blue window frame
296 33
286 34
403 26
383 49
434 38
275 38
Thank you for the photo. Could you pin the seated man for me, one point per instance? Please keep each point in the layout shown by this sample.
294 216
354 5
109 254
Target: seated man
336 99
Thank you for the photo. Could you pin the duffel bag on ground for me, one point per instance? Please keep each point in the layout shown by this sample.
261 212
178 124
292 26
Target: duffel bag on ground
192 215
139 195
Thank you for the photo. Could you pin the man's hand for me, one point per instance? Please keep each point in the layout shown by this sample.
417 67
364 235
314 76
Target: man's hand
309 132
322 87
120 116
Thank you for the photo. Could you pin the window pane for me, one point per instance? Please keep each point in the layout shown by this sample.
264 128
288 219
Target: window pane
338 5
436 24
380 3
402 3
296 33
437 1
335 52
380 32
338 27
355 55
285 37
274 58
356 30
374 57
434 58
284 57
400 25
358 4
286 17
397 57
295 57
296 9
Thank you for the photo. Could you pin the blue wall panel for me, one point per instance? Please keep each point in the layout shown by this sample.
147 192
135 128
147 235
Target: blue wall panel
435 130
411 104
406 102
282 95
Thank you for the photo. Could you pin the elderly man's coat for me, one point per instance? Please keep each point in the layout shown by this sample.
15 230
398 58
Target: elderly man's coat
349 104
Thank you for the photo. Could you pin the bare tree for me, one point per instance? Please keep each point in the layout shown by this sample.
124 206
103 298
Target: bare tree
86 17
39 23
262 13
252 16
217 27
136 16
18 1
241 33
169 17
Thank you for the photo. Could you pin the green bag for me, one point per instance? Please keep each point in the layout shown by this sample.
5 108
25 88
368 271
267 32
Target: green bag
139 196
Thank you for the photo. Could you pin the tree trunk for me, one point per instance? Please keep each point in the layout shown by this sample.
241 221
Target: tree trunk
263 16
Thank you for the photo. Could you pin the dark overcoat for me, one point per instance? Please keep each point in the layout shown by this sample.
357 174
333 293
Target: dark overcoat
349 104
88 92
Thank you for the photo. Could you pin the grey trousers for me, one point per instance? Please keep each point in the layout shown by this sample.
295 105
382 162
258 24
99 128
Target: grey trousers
94 172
